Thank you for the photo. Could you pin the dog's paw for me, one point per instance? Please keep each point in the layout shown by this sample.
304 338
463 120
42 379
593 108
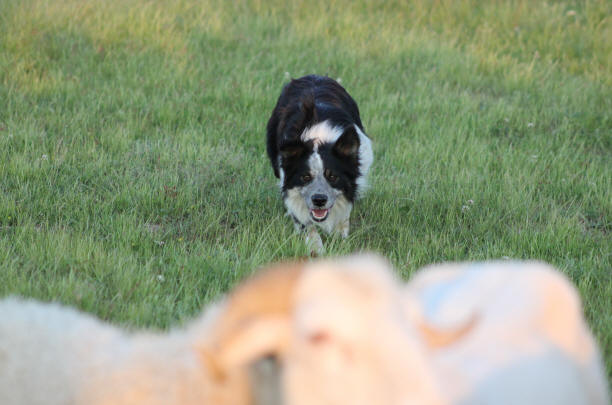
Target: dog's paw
314 242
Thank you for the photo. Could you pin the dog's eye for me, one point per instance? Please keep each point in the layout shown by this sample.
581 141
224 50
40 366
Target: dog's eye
306 178
330 176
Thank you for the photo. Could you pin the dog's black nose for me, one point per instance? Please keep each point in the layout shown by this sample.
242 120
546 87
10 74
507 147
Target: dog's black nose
319 199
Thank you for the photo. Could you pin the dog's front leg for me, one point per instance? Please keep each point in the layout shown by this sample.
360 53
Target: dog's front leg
313 240
343 228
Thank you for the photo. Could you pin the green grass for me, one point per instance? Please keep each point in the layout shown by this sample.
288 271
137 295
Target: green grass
133 177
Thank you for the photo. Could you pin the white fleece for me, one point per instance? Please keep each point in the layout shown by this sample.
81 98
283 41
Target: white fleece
526 342
54 355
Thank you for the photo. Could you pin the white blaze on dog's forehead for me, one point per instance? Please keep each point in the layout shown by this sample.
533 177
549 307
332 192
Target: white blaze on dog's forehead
323 132
315 163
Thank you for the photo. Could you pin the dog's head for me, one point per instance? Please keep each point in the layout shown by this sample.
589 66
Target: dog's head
319 161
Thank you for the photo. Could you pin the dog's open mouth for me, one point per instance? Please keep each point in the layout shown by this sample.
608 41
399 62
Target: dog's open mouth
319 214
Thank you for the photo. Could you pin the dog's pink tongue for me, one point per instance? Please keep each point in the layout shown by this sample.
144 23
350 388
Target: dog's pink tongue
319 213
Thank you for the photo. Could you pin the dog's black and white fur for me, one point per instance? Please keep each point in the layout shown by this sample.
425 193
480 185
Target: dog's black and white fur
320 152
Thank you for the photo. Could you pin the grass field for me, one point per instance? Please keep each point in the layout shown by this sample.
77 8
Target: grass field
133 177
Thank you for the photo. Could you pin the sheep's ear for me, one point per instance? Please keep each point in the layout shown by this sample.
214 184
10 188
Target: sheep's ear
436 337
433 335
348 143
255 321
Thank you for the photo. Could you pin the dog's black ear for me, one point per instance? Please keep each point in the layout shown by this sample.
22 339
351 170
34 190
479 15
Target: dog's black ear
348 143
309 112
292 150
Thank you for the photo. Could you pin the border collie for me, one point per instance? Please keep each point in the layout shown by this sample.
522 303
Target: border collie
321 154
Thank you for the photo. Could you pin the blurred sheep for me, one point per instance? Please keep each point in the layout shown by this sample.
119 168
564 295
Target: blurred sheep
526 340
347 332
54 355
329 332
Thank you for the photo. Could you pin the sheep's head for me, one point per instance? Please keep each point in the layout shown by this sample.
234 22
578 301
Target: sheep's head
336 328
